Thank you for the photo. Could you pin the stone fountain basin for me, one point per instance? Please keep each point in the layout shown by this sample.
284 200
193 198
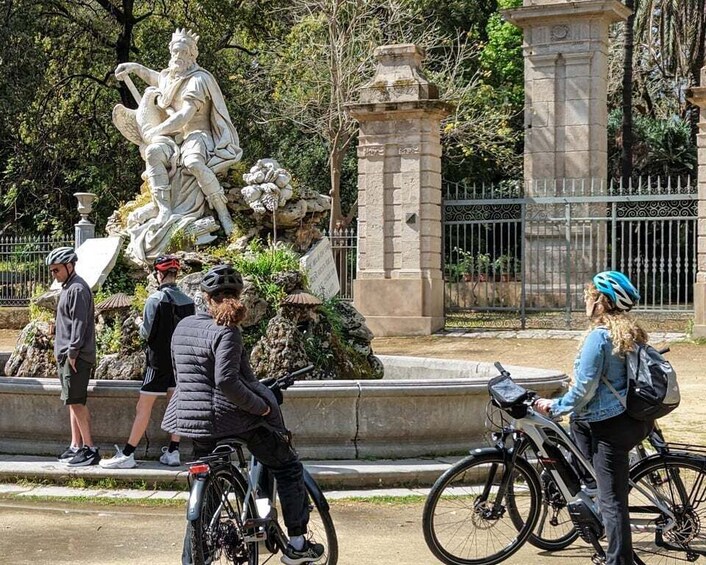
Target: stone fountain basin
423 407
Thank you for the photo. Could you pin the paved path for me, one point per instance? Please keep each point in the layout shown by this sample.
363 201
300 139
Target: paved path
46 532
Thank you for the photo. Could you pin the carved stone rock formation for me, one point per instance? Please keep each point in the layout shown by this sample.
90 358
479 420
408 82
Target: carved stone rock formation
34 354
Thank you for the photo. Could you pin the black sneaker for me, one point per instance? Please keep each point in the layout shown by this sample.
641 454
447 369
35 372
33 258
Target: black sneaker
86 456
310 553
68 454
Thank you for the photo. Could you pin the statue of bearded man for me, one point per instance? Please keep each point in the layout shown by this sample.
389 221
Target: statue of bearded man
196 139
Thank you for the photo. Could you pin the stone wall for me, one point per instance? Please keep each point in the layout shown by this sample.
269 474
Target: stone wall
423 407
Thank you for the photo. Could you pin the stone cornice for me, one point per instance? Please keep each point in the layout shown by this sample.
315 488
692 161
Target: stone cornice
542 14
372 111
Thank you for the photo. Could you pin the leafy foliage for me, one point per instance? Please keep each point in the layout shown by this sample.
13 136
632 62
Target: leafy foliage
662 147
260 263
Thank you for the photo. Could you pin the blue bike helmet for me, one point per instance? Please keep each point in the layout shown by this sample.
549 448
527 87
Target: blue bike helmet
618 288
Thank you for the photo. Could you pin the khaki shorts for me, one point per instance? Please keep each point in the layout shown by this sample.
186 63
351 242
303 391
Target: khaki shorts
74 385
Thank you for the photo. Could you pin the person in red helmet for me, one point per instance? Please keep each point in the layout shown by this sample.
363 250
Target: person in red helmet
163 310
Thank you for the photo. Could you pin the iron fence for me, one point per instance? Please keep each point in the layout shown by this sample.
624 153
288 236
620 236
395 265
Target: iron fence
519 255
22 270
344 244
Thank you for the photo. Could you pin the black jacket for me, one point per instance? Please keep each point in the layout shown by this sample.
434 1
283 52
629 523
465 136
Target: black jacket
217 394
163 310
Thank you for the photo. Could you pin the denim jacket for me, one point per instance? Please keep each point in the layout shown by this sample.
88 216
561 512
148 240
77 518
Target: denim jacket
588 397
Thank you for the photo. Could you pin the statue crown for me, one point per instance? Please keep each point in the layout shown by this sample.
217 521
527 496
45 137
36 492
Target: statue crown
184 35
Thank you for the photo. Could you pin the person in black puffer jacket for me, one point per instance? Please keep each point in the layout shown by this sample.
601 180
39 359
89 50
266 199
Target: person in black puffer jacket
218 396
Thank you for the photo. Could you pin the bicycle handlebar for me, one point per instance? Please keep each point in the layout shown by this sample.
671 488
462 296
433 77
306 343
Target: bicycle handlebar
283 383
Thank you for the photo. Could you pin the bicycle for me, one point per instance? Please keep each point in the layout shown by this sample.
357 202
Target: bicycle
485 507
555 530
233 506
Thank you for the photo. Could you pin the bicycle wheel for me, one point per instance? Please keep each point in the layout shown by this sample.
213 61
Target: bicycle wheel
554 530
217 534
466 519
320 527
678 483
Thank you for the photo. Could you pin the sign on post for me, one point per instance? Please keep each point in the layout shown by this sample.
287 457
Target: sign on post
321 270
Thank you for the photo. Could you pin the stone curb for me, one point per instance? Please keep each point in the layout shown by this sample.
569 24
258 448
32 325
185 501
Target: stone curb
343 474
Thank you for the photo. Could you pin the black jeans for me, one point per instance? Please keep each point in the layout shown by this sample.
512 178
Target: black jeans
274 450
611 442
581 434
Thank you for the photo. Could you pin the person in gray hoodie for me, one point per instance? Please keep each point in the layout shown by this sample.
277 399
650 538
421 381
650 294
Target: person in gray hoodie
75 352
218 396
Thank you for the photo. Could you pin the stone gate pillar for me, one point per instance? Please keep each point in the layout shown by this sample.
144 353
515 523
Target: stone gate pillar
566 85
566 142
399 286
697 96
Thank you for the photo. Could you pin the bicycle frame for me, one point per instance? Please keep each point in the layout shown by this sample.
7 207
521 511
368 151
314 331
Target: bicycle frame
535 426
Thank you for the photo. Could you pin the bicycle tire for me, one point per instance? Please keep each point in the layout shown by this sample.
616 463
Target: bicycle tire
464 489
211 546
321 526
679 481
548 536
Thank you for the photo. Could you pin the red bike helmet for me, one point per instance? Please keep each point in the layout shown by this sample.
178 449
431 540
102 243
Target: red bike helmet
165 263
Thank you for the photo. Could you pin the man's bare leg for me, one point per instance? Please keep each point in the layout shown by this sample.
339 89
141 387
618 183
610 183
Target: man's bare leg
83 420
75 431
143 411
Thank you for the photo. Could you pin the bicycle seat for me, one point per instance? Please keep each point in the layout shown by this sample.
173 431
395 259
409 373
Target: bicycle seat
234 442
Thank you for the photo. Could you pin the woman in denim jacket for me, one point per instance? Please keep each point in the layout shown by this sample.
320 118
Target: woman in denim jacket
602 428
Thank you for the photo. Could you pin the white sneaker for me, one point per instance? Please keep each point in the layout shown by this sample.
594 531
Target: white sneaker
171 459
119 461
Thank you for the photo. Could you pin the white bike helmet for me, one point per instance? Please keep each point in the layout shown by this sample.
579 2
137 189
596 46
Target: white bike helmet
61 255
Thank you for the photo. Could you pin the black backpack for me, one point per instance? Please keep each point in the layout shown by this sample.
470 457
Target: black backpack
653 390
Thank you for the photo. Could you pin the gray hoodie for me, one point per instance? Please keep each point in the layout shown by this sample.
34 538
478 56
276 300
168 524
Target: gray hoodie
75 323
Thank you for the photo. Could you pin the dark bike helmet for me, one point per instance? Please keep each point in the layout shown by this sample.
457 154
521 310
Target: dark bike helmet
165 263
61 255
618 288
220 278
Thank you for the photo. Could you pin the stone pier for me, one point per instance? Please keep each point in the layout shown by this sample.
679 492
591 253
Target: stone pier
399 286
566 74
697 96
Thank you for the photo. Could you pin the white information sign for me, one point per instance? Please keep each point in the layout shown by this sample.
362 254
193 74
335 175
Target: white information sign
321 269
96 258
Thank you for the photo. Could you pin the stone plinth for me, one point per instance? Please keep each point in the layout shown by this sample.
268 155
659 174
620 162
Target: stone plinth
697 96
399 284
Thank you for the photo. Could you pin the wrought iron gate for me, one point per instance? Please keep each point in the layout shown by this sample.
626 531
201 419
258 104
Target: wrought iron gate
518 256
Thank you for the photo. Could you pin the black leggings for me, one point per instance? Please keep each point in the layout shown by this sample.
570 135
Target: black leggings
608 443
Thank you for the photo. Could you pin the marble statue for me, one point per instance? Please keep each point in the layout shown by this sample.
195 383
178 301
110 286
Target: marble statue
268 186
186 138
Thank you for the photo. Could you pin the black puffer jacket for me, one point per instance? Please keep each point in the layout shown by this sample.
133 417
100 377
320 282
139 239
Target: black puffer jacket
217 394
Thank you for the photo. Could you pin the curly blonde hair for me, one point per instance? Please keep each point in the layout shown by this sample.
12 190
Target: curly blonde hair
624 331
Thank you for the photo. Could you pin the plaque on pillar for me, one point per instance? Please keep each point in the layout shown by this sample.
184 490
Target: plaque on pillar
320 267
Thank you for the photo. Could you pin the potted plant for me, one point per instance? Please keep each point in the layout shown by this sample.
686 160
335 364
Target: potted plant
466 266
482 266
503 267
